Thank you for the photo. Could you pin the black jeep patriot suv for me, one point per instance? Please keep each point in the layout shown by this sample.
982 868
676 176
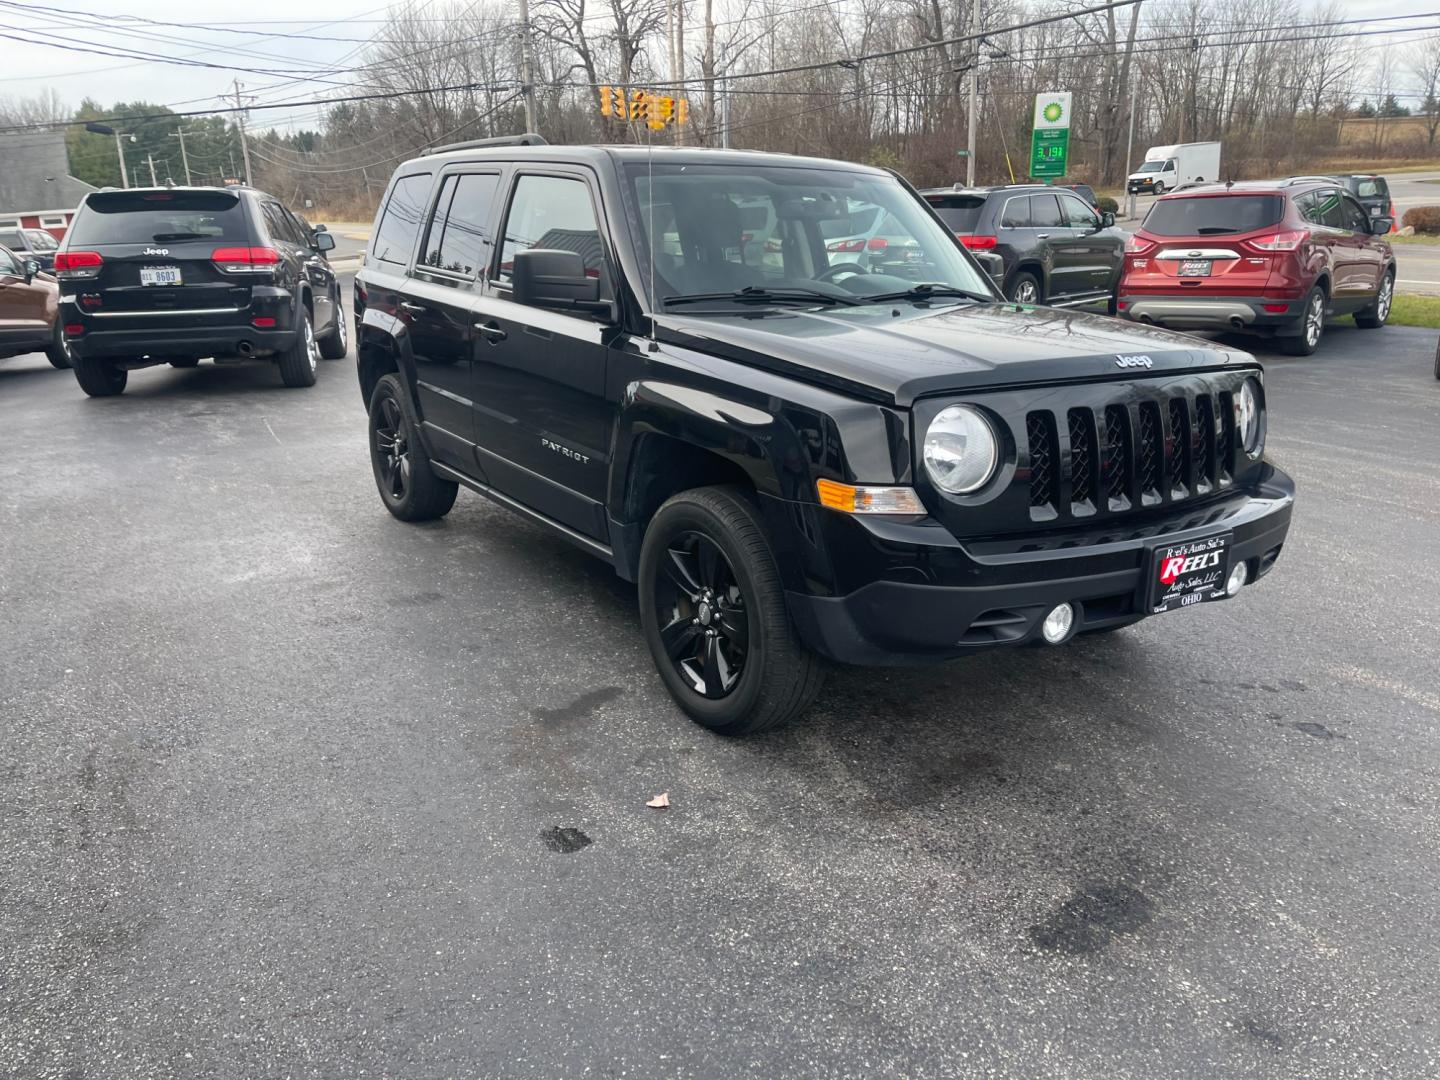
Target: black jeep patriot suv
663 360
151 275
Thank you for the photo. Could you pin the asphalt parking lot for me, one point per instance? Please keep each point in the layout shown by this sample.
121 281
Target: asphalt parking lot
291 789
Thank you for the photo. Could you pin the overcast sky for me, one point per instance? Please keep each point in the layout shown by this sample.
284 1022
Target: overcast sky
338 29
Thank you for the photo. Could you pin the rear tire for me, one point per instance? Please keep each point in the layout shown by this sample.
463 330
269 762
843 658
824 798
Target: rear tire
298 363
1374 316
59 351
1025 289
99 378
1311 326
336 344
714 615
408 485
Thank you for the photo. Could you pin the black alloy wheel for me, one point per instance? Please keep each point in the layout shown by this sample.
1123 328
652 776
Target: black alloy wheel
392 451
408 485
702 616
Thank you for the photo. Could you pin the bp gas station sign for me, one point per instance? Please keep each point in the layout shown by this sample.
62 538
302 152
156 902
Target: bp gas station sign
1050 137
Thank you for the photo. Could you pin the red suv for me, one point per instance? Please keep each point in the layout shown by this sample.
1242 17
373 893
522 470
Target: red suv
1269 257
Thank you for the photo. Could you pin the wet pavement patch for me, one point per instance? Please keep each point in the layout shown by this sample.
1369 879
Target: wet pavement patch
1092 918
565 840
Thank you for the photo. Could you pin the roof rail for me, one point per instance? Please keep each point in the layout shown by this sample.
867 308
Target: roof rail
1291 180
527 139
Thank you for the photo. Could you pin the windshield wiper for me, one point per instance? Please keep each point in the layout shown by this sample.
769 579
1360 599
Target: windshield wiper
763 295
927 291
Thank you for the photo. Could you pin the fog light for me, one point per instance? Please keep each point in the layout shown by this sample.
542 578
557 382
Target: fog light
1056 627
1238 577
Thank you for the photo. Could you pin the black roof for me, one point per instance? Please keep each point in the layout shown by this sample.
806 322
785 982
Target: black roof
602 154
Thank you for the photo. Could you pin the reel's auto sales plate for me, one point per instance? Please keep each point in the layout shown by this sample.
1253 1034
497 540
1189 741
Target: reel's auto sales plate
1188 573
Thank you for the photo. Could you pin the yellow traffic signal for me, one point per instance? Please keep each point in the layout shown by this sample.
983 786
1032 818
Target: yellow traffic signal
639 105
682 111
605 109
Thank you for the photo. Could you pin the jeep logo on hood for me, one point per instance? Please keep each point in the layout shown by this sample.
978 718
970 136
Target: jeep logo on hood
1121 360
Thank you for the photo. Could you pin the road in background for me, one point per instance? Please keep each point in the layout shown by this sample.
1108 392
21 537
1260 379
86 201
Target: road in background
289 788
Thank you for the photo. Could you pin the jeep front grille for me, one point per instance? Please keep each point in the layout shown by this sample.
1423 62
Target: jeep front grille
1142 447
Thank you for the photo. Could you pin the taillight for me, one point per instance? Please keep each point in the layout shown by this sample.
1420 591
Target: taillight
977 243
1288 240
845 245
1137 245
878 243
245 260
78 264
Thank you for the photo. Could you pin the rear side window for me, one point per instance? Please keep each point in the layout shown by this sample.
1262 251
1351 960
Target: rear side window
555 213
960 213
459 240
1045 212
1213 215
395 239
1016 214
158 217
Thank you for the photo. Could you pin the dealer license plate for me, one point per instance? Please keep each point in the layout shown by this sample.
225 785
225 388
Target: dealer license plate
1188 573
1195 268
159 275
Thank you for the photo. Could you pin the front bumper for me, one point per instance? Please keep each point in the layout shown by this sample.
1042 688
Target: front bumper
938 601
1197 311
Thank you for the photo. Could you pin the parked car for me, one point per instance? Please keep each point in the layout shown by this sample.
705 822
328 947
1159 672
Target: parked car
1266 257
789 456
1168 167
1085 191
171 275
29 302
34 244
1057 249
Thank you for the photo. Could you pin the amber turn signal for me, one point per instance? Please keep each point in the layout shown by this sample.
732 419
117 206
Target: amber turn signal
868 500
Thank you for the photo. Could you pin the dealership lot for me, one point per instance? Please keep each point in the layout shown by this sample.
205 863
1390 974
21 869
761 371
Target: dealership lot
287 792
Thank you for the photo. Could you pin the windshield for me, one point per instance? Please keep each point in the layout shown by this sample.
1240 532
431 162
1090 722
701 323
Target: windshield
1152 166
1211 215
133 217
772 229
41 240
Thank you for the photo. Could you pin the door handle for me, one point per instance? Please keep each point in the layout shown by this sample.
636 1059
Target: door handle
1042 236
416 308
491 331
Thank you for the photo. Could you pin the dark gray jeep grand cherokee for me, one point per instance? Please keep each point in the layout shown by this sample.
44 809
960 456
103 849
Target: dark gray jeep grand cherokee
671 363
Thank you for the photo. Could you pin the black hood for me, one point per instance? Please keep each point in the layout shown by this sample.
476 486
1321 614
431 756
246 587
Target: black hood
900 352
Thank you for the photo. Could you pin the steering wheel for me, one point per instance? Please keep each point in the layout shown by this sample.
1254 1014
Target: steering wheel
829 272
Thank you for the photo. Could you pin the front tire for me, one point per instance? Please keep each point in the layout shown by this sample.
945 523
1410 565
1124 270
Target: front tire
336 344
1374 316
1158 189
1311 327
408 486
299 362
99 378
59 351
714 615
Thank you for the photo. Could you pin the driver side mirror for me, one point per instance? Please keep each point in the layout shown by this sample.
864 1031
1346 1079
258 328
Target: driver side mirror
31 268
546 278
323 241
1107 220
1379 226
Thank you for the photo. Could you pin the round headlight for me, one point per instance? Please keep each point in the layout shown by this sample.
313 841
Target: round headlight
1247 417
960 450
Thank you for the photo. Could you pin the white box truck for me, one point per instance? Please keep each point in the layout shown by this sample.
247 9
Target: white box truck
1167 167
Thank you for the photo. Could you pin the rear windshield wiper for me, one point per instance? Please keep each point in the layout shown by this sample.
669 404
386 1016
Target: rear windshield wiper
161 237
928 292
763 295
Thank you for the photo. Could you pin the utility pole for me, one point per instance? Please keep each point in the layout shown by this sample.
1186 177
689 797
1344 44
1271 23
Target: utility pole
971 124
680 63
184 157
724 98
153 181
120 153
527 73
1130 143
244 145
